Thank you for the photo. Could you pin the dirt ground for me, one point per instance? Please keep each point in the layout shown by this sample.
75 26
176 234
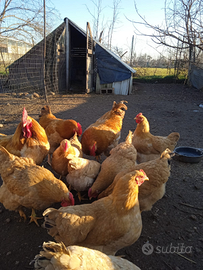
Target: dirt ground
172 232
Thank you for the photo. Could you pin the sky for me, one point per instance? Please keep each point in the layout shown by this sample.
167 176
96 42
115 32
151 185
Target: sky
153 12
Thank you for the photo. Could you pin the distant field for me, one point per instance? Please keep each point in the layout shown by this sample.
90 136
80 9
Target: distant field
156 72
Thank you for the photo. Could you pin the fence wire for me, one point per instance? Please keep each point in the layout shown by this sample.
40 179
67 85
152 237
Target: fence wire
26 73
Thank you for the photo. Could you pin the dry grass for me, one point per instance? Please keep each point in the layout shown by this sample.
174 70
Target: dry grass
157 72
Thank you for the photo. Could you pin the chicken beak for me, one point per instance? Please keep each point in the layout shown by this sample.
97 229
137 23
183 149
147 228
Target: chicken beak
146 178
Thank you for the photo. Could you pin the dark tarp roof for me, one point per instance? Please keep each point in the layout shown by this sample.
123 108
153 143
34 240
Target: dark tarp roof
109 68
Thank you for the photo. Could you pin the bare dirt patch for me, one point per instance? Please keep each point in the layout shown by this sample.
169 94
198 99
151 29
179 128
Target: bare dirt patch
174 227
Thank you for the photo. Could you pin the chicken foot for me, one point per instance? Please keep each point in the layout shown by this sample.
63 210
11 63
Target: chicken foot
34 218
98 158
81 197
22 214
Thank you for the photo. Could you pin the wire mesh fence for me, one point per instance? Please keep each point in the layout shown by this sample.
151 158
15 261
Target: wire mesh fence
26 73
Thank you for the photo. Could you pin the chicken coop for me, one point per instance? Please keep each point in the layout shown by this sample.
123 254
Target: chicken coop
74 62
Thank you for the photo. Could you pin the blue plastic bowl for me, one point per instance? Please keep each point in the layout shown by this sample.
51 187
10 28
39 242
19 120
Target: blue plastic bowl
188 154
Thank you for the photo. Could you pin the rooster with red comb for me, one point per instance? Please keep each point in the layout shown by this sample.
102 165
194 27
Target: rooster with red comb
29 140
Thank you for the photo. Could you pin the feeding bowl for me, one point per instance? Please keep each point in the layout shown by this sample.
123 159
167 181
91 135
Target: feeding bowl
188 154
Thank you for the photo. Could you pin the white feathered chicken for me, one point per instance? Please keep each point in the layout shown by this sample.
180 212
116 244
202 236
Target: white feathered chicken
55 256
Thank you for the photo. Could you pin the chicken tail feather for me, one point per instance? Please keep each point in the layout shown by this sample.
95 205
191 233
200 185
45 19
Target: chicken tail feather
48 224
49 257
51 227
49 218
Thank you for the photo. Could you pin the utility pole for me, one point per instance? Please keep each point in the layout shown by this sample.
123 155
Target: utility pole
131 55
44 54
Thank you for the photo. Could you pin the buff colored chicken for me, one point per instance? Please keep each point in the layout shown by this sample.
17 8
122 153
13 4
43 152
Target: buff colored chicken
103 135
29 140
158 172
150 146
26 184
81 173
55 256
122 157
77 144
59 161
107 225
57 129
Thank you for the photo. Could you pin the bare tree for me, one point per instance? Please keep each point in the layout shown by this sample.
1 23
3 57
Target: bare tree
23 19
104 28
115 18
183 22
119 51
96 16
182 29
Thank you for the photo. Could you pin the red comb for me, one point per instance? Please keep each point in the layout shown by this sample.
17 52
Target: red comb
90 192
25 115
71 201
141 178
93 150
71 198
66 146
79 129
138 115
141 170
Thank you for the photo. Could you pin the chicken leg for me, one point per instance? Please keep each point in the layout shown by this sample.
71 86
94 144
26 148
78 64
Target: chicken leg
81 197
22 214
34 218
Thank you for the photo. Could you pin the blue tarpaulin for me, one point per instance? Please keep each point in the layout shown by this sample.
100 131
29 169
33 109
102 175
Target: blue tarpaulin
109 68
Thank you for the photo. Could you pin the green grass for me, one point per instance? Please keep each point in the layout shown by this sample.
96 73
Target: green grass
2 70
158 74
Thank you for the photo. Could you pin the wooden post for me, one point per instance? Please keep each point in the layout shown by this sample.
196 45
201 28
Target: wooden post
131 55
67 53
89 55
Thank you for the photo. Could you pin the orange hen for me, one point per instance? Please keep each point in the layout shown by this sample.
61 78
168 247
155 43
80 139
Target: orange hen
158 172
29 140
150 146
60 160
122 157
57 129
26 184
108 224
103 135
